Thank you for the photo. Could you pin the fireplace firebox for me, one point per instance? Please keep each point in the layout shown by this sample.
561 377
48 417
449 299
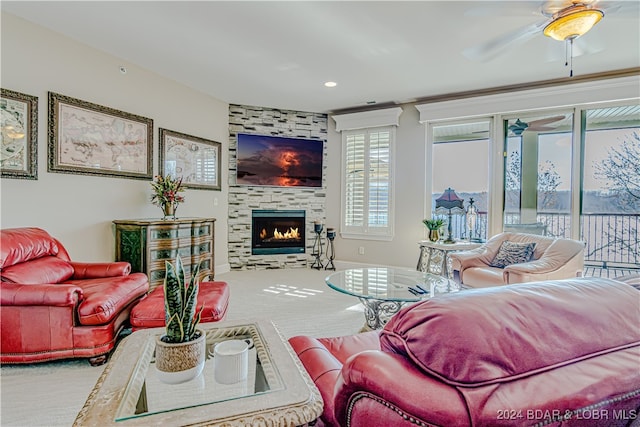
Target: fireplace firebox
277 232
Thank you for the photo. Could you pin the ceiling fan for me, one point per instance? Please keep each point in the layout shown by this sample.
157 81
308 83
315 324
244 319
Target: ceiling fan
564 20
536 125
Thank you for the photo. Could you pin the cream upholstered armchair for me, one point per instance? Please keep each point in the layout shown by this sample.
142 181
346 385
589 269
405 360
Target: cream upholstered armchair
509 258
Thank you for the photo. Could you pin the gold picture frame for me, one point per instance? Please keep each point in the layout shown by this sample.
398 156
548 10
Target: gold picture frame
90 139
19 135
195 159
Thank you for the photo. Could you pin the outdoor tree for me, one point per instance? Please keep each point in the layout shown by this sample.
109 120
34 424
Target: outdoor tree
620 171
548 183
512 181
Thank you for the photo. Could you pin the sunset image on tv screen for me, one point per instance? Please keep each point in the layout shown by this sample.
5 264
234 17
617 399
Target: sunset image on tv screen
279 161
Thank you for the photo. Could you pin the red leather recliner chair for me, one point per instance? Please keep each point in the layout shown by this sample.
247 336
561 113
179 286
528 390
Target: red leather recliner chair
557 353
55 308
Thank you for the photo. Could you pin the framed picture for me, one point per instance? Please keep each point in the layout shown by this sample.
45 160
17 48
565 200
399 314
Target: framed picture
196 160
19 122
86 138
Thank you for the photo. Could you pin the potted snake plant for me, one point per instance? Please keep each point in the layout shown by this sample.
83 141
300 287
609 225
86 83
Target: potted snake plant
181 351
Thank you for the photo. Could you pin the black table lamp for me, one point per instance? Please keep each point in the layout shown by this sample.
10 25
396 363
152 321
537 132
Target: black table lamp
449 203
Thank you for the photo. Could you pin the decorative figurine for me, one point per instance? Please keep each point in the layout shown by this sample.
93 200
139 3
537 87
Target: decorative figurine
331 235
317 246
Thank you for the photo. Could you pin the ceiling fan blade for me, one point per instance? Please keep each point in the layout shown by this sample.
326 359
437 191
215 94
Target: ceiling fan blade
539 128
619 9
542 122
492 48
491 9
589 44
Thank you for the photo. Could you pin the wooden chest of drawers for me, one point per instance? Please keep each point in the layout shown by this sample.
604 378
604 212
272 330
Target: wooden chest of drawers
148 243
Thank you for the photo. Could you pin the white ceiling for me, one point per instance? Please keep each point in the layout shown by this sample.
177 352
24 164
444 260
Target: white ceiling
279 54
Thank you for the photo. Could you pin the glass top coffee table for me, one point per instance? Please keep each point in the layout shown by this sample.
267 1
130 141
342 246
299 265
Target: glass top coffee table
277 392
385 290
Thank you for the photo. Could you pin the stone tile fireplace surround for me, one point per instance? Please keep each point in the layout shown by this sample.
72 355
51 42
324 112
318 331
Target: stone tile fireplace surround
243 199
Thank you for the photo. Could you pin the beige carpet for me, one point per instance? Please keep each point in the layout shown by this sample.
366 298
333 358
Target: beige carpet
297 300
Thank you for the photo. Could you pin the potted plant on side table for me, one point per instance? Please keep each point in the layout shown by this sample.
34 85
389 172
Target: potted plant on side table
181 351
434 228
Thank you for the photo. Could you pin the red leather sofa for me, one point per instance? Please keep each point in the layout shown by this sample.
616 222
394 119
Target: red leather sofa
557 353
55 308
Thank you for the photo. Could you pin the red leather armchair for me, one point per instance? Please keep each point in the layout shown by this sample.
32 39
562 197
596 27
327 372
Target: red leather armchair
55 308
558 353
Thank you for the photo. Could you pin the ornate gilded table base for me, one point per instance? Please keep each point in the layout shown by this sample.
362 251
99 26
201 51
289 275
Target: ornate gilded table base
378 312
434 256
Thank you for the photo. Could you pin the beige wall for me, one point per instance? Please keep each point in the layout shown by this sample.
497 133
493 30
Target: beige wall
78 209
409 185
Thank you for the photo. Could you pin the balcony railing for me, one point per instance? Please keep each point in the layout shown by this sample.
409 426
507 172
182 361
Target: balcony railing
612 240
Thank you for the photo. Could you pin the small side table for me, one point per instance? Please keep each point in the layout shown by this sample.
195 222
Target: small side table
434 256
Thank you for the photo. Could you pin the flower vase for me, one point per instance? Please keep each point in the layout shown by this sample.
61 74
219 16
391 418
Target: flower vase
169 210
434 235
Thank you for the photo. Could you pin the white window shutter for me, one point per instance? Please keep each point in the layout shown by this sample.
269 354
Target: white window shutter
354 180
367 184
367 172
379 179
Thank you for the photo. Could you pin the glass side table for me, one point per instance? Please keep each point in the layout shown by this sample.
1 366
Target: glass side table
384 291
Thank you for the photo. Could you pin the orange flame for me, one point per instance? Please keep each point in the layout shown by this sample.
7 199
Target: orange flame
292 233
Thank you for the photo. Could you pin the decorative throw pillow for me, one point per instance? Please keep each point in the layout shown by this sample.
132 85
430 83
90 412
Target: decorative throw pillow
513 253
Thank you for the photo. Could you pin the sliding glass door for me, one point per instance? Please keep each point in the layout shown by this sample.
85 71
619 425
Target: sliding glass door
610 213
537 178
571 173
460 161
538 189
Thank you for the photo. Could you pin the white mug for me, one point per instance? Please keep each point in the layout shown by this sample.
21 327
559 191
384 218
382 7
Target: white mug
231 361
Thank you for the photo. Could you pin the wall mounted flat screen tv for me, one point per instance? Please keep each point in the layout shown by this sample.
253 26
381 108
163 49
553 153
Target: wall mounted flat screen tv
279 161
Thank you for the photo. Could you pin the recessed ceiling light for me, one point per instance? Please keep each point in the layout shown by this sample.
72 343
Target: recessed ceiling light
331 84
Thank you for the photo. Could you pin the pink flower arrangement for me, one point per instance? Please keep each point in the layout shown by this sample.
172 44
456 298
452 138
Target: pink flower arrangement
165 191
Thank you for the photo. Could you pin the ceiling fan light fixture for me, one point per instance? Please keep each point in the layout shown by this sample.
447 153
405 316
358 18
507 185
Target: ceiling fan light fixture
573 23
